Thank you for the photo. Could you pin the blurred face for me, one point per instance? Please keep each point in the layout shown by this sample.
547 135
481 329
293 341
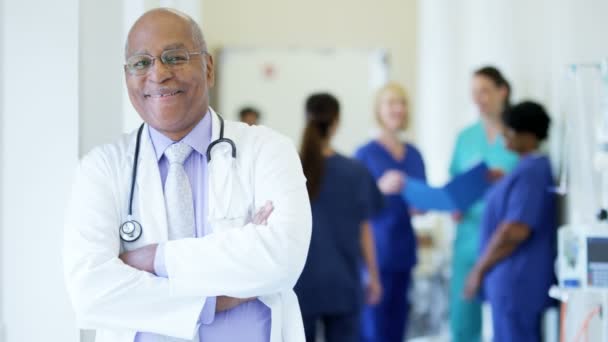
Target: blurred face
519 142
333 128
392 111
511 139
172 99
488 97
250 118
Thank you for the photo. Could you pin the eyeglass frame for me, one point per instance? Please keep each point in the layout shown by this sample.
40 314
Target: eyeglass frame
154 58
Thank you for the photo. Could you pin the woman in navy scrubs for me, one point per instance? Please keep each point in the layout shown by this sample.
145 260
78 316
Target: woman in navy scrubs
515 268
389 161
343 196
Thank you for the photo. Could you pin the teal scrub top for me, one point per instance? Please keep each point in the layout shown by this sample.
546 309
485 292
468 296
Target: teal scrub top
472 147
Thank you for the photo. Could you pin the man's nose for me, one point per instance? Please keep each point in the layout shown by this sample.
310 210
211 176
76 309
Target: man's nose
159 71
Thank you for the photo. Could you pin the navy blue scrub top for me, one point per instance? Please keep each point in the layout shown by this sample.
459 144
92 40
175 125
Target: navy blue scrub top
331 280
521 281
392 226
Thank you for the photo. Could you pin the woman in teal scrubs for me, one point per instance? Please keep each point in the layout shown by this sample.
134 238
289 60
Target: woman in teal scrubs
518 233
476 143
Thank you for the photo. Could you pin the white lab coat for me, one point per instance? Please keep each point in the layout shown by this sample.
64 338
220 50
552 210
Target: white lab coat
238 259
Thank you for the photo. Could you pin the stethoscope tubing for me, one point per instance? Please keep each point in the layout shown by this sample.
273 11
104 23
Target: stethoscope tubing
131 230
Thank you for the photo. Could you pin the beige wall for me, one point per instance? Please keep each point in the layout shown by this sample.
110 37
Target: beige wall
389 24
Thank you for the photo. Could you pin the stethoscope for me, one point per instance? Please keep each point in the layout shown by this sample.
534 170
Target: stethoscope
131 229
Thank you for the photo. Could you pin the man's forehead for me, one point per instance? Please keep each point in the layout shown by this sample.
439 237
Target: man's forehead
152 48
159 35
161 17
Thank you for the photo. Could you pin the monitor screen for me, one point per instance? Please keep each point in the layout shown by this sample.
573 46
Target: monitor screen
597 262
597 250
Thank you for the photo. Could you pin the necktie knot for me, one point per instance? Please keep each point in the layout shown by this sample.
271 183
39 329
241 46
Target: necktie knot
177 153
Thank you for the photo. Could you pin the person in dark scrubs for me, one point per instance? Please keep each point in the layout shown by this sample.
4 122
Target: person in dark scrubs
343 196
390 161
518 233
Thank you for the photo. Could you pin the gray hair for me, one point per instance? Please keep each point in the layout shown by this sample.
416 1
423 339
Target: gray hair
197 34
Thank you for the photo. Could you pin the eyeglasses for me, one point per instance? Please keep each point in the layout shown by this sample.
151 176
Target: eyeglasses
139 65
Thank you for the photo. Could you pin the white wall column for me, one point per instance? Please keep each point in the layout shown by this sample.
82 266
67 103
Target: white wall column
436 112
39 136
101 72
2 339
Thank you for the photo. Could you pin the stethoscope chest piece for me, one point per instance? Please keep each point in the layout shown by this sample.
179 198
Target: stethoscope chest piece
130 230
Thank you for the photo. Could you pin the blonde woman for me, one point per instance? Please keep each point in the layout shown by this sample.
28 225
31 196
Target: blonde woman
390 160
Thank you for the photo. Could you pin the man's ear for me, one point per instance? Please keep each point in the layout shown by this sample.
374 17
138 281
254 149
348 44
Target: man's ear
210 72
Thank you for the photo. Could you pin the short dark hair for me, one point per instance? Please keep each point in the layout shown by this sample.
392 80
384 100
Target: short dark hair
246 110
528 117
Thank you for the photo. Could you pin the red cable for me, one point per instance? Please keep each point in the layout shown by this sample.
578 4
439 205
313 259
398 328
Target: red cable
562 323
585 327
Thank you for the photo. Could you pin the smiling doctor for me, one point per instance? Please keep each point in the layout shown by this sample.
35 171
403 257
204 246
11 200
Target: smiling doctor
191 228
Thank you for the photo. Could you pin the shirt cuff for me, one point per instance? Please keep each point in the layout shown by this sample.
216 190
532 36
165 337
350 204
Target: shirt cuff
208 313
160 268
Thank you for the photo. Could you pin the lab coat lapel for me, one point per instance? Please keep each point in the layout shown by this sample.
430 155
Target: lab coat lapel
150 196
220 173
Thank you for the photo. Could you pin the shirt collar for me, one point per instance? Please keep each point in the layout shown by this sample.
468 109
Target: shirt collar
199 138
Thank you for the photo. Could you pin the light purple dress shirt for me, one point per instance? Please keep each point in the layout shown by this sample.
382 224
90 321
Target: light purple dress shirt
247 322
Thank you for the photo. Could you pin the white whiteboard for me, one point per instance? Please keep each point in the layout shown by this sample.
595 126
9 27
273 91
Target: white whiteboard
278 81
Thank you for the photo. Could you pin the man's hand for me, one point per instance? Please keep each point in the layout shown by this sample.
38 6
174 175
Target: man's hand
141 258
224 303
261 217
391 182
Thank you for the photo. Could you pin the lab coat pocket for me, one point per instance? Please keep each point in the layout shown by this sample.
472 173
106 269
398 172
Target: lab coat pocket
235 213
228 223
230 203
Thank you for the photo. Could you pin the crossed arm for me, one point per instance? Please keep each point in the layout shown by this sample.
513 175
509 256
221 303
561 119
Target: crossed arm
253 260
143 259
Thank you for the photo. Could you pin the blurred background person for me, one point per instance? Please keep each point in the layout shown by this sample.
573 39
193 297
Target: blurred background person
343 196
389 160
479 142
250 116
518 237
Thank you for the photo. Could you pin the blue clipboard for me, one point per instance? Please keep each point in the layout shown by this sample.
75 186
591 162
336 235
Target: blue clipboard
458 195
